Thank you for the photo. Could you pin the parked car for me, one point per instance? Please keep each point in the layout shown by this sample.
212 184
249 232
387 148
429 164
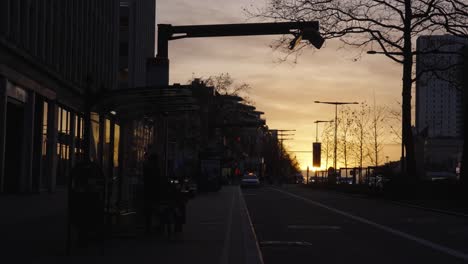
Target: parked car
250 180
190 186
299 179
344 180
378 182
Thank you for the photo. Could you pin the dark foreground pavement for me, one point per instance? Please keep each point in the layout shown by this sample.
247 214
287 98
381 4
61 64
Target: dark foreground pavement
218 230
299 225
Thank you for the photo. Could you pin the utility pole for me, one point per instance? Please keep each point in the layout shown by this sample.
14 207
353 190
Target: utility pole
283 134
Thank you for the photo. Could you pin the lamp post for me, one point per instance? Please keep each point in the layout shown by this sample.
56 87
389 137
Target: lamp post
316 127
316 142
336 124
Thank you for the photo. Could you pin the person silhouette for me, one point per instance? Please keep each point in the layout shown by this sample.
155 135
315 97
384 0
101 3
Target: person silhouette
151 179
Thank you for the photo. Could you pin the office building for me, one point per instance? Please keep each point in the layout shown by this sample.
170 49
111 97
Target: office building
136 41
438 96
53 56
439 109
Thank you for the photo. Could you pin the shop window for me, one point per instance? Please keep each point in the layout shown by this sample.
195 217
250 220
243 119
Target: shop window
79 137
106 158
116 145
64 119
63 145
44 129
77 127
40 162
107 132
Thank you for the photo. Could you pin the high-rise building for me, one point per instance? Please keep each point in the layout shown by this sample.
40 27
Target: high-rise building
137 40
438 98
439 106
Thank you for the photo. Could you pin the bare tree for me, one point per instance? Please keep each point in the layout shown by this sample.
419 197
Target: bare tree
394 122
360 131
345 126
327 143
452 17
226 85
376 134
388 25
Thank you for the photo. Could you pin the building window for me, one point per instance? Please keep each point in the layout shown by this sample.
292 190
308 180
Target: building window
95 135
116 145
63 145
79 137
44 129
123 49
124 23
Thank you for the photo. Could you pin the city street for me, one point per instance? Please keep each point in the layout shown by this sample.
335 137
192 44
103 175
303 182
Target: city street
294 224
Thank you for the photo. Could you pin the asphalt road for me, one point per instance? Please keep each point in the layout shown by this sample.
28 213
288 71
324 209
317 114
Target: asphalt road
294 224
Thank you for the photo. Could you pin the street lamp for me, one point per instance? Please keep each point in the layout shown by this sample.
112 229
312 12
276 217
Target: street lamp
336 124
316 127
305 30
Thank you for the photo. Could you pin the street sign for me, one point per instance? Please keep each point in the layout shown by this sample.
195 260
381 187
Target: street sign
316 153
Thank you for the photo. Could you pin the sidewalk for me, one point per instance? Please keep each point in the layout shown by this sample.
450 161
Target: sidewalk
32 225
218 230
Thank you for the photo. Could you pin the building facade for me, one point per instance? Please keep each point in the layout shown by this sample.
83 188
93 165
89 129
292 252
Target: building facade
438 99
53 55
136 41
439 102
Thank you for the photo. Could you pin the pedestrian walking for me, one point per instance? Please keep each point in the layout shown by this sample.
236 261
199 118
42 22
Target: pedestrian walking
151 188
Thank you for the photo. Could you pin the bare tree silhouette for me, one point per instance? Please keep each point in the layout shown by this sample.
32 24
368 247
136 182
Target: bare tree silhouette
360 132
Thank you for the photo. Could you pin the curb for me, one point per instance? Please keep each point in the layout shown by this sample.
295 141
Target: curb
251 255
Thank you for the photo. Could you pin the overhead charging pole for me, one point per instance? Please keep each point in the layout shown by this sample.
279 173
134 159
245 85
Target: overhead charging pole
159 67
336 104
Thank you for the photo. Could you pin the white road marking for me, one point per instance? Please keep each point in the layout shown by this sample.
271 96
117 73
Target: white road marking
252 229
424 242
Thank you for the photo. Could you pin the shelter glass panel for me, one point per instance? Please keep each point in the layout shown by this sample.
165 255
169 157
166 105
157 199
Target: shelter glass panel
95 135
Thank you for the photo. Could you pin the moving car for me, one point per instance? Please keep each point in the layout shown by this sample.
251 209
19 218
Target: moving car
250 180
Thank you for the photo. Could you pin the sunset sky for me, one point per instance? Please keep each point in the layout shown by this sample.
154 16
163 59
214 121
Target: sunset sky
284 91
